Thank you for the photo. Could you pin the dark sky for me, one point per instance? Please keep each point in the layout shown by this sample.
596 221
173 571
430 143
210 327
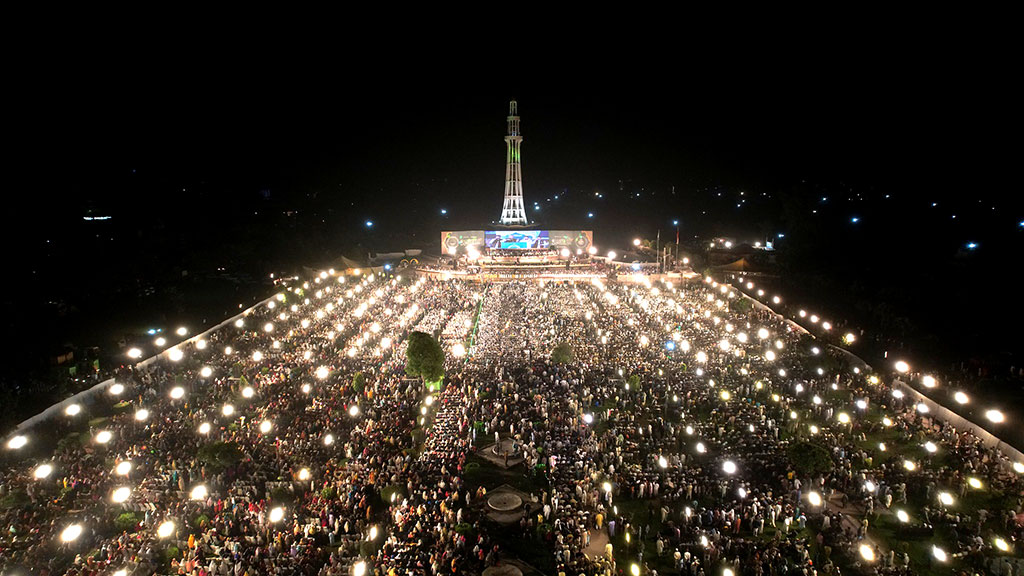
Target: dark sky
917 128
887 110
193 147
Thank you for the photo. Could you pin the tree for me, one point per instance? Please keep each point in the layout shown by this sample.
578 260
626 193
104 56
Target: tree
424 357
809 458
358 382
562 354
219 455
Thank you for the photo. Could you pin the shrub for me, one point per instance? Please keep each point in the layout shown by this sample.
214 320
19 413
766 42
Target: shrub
418 436
389 490
127 522
201 521
171 553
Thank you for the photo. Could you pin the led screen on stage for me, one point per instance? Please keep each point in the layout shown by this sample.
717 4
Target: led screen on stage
517 239
572 239
453 240
456 241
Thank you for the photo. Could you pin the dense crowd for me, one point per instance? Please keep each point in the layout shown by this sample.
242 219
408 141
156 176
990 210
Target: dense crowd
671 423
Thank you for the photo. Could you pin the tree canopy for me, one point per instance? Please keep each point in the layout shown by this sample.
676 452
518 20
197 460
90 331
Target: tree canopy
358 382
809 458
424 357
219 455
562 354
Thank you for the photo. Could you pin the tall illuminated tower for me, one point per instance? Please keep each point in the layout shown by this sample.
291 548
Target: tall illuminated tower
513 212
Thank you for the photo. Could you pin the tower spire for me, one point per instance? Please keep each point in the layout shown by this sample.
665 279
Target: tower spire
513 211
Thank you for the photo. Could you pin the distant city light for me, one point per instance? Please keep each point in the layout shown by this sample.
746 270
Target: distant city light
443 211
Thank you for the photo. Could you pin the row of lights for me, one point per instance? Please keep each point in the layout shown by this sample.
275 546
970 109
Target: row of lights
992 415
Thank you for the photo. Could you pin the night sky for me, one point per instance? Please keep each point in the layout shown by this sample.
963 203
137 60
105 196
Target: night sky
253 164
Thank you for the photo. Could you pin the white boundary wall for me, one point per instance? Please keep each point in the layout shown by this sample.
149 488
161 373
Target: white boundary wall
940 412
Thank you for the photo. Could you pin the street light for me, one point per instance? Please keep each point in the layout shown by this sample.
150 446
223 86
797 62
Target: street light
71 533
867 553
120 494
166 529
277 514
995 416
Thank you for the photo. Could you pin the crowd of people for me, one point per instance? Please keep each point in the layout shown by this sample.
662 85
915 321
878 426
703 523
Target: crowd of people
293 441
